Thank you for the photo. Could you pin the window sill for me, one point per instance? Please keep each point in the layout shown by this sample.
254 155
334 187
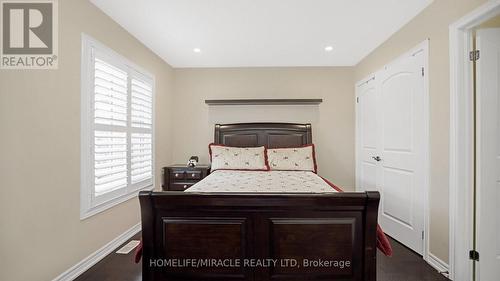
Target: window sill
85 214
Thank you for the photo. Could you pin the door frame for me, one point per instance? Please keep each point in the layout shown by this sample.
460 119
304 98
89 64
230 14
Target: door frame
422 47
357 130
462 140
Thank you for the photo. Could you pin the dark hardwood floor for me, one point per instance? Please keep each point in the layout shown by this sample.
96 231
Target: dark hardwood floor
115 267
404 265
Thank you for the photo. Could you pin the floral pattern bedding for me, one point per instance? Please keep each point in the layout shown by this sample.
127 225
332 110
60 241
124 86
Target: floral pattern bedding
262 181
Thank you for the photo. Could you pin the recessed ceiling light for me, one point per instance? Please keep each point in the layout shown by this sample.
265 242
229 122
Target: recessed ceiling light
328 48
197 50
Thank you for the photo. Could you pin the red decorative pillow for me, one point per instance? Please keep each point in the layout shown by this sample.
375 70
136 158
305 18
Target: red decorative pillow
292 159
238 158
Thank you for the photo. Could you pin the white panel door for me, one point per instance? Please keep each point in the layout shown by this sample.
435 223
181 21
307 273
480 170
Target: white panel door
488 155
368 138
401 138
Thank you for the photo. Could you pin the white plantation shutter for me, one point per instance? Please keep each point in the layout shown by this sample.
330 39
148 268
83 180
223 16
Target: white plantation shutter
117 128
142 126
110 161
110 99
142 101
142 166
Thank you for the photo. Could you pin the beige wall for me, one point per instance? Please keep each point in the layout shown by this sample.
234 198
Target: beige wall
432 23
333 120
41 234
492 23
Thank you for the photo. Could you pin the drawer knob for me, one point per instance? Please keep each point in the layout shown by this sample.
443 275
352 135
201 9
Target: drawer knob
176 175
185 186
193 175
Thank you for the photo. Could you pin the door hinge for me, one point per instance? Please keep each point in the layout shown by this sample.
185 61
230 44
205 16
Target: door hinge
357 99
474 255
423 71
474 55
422 235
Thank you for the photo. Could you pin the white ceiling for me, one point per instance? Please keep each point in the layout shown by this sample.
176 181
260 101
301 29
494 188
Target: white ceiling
240 33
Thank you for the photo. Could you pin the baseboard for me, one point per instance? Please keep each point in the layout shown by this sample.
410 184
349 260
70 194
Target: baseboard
438 264
98 255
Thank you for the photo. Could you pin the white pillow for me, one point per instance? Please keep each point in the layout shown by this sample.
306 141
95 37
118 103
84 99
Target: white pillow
238 158
292 159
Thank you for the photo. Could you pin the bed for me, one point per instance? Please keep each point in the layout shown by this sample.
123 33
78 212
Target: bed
212 232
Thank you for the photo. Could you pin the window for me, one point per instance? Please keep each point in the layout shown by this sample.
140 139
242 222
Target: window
117 128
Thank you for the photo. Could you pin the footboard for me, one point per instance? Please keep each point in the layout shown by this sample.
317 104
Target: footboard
189 236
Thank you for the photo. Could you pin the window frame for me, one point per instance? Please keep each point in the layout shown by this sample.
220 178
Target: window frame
89 204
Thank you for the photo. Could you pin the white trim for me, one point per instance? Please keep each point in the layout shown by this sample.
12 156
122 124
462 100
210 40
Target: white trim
422 47
461 140
85 126
109 51
427 155
357 140
89 204
85 264
438 264
367 79
84 214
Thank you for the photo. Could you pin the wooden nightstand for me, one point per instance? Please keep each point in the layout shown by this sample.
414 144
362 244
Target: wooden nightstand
181 177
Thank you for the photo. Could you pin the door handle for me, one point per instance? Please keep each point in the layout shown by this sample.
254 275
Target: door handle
377 158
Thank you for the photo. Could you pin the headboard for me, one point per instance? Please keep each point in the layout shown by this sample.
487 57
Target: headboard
269 134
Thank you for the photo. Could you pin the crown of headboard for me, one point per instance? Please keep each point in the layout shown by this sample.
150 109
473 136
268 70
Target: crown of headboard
271 135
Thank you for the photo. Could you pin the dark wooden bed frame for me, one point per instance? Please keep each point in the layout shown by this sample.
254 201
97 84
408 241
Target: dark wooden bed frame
216 230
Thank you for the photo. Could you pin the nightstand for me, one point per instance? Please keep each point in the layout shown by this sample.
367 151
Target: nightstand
181 177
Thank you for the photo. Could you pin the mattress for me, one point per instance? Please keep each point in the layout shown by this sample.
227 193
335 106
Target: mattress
262 182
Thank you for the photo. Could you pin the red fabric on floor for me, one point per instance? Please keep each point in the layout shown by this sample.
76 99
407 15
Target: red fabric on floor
138 253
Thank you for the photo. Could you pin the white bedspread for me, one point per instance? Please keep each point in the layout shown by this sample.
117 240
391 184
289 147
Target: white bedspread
262 181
